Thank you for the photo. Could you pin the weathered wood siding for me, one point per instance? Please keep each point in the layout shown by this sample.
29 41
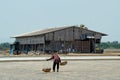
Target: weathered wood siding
60 35
31 40
49 36
82 46
68 39
79 33
69 34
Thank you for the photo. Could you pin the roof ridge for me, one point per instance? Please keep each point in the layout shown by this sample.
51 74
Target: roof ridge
48 30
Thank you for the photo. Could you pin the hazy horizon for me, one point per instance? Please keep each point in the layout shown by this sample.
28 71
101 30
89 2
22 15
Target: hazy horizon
21 16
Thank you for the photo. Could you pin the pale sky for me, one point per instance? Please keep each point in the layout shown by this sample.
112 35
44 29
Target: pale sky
21 16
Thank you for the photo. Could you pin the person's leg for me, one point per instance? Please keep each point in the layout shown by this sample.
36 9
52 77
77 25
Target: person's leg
54 64
57 67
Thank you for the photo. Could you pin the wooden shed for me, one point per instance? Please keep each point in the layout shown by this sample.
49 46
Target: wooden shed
62 39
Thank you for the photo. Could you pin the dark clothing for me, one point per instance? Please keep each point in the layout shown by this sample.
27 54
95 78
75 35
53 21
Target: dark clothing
56 61
54 65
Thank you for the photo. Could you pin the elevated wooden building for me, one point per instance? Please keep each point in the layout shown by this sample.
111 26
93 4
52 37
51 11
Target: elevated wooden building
62 39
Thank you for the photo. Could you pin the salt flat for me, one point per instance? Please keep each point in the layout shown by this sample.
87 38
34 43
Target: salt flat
63 58
74 70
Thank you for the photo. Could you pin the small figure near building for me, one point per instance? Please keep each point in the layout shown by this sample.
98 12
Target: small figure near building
56 61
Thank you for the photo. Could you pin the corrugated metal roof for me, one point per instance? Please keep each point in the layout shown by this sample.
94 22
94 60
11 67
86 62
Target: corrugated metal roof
41 32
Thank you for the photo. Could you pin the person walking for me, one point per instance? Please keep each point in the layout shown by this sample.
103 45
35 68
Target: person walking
56 61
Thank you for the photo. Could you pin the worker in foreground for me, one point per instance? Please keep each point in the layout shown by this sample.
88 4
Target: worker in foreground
56 61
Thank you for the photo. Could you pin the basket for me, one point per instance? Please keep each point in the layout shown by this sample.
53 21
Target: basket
63 63
46 69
